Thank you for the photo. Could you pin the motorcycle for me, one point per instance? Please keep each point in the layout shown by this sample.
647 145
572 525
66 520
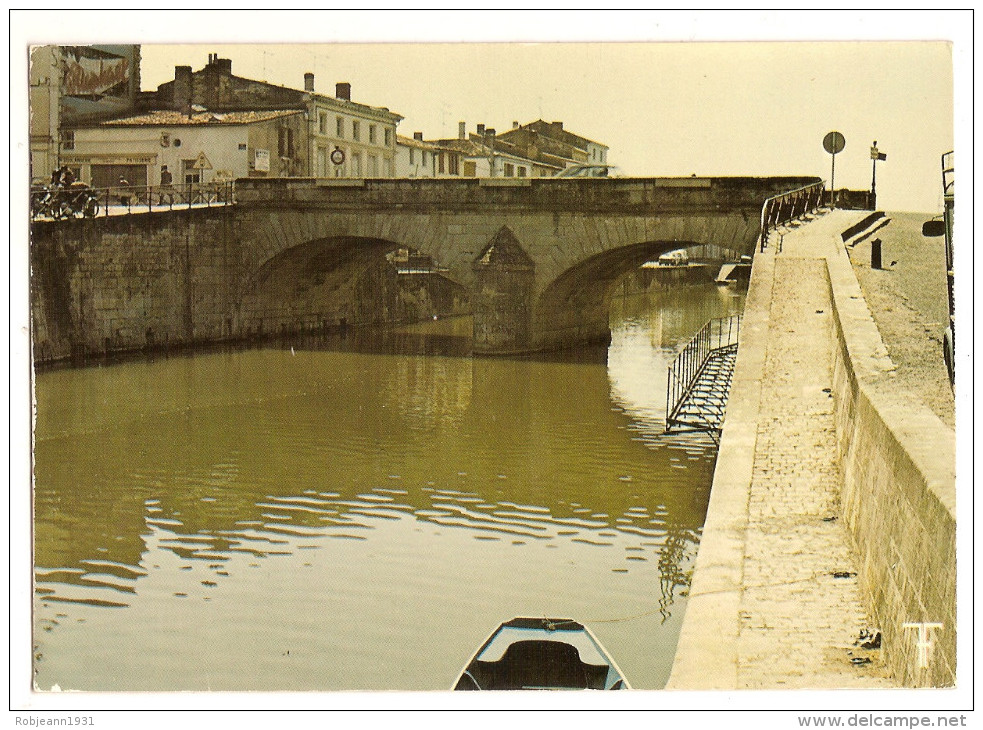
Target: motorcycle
79 199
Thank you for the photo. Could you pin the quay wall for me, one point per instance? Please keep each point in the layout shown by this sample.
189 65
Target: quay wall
898 494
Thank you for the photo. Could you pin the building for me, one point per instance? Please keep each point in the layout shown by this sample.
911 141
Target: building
485 154
541 138
75 84
198 148
416 158
344 138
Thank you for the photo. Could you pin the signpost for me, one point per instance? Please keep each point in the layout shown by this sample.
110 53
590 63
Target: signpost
834 142
876 156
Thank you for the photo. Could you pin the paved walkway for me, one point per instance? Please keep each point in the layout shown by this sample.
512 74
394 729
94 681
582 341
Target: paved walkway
775 553
798 621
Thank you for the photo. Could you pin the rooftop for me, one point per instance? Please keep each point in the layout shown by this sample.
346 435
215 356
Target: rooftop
171 118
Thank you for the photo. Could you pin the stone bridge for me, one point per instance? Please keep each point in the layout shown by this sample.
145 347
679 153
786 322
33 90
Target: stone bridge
536 258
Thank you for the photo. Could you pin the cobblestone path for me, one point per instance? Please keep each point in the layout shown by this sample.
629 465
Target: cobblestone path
801 612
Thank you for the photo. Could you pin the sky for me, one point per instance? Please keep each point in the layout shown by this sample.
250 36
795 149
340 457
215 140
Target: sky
659 88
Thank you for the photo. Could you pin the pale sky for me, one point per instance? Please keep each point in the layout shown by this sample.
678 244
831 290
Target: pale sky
664 107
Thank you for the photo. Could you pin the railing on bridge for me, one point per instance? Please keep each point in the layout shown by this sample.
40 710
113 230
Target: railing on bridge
700 376
789 206
79 200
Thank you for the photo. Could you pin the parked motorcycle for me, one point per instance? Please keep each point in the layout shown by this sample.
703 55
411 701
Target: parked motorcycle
64 202
80 199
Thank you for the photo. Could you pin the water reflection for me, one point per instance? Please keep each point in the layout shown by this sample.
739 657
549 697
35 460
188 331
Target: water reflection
321 489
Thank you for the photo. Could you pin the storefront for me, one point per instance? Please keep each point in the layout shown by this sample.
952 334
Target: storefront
103 171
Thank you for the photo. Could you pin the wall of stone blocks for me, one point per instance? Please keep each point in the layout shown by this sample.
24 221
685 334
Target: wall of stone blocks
127 283
898 494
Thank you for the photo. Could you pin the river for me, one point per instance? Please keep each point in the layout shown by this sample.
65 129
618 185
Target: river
360 512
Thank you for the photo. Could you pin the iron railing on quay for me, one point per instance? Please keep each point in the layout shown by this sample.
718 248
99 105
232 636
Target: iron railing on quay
715 335
79 200
788 206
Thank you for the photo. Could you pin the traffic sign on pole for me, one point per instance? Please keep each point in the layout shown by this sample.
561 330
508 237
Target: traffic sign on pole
834 142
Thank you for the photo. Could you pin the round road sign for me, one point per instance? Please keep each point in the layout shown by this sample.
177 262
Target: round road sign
834 142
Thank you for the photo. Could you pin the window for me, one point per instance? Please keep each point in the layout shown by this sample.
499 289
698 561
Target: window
522 172
452 164
357 165
372 134
322 161
509 169
424 158
389 137
340 127
356 131
440 162
470 168
388 166
285 142
322 123
373 166
68 139
411 155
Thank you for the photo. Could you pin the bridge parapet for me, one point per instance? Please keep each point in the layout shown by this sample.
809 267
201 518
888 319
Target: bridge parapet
667 195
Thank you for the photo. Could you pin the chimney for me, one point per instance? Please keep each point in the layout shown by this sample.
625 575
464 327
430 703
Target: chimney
418 136
489 132
461 130
181 99
481 130
309 82
224 65
343 90
515 125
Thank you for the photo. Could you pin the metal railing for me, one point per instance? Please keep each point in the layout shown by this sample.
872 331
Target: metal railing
789 206
715 335
79 200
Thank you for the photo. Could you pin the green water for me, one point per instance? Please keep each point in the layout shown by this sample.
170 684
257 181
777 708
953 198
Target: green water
360 513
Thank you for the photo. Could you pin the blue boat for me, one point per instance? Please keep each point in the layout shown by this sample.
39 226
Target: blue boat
541 653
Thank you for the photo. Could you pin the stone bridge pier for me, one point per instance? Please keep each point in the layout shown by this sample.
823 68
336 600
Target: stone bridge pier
539 258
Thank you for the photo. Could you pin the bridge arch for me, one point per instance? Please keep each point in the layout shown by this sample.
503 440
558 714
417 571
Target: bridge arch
575 306
336 281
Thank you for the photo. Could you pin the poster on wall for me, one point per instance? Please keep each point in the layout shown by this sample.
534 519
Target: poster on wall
262 161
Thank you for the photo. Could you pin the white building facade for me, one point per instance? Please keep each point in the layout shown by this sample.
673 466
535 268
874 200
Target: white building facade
348 139
203 148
